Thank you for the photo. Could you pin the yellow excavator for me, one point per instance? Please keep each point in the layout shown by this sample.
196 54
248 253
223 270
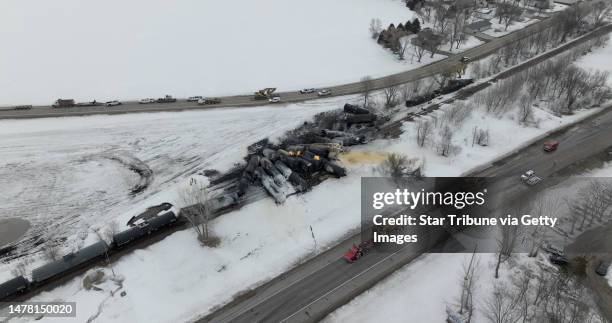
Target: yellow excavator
265 93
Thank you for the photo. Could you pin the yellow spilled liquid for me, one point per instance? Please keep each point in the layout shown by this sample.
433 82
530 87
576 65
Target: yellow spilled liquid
362 157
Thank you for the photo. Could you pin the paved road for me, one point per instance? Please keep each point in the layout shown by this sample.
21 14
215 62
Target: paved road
247 100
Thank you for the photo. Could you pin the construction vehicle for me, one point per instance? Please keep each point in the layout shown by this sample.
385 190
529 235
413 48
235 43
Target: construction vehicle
166 99
358 251
551 145
264 93
64 103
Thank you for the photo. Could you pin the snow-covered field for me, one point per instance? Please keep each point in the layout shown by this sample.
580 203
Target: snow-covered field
66 175
147 48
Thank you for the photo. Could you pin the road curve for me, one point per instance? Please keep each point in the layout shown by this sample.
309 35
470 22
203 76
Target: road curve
248 100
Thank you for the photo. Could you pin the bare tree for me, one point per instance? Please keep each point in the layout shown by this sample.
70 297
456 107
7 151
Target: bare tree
391 92
445 142
456 30
501 307
20 269
541 206
397 165
403 45
480 137
468 286
457 113
525 113
429 40
574 85
367 85
110 231
424 131
507 12
418 48
415 87
600 11
51 251
506 243
197 210
375 27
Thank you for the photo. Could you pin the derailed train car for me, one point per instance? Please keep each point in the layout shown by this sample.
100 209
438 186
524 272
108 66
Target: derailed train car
143 229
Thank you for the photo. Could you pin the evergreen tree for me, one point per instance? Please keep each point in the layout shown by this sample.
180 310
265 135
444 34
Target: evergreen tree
416 26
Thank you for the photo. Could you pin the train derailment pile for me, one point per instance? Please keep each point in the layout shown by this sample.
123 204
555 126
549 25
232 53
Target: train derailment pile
307 155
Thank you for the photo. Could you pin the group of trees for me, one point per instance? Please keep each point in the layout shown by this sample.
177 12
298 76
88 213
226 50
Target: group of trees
540 295
591 204
572 22
559 84
536 292
507 13
555 84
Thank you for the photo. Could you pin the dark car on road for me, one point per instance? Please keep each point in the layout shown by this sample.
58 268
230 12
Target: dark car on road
602 268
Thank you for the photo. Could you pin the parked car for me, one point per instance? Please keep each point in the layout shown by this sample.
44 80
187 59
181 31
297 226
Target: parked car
306 91
324 92
602 268
112 103
194 98
274 99
22 107
147 101
465 59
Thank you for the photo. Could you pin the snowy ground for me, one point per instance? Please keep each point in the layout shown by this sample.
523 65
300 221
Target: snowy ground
69 171
420 291
148 48
599 59
498 29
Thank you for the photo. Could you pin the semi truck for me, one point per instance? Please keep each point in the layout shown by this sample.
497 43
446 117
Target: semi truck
166 99
64 103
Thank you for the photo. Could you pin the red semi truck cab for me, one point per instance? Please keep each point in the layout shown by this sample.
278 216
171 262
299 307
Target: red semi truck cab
551 145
